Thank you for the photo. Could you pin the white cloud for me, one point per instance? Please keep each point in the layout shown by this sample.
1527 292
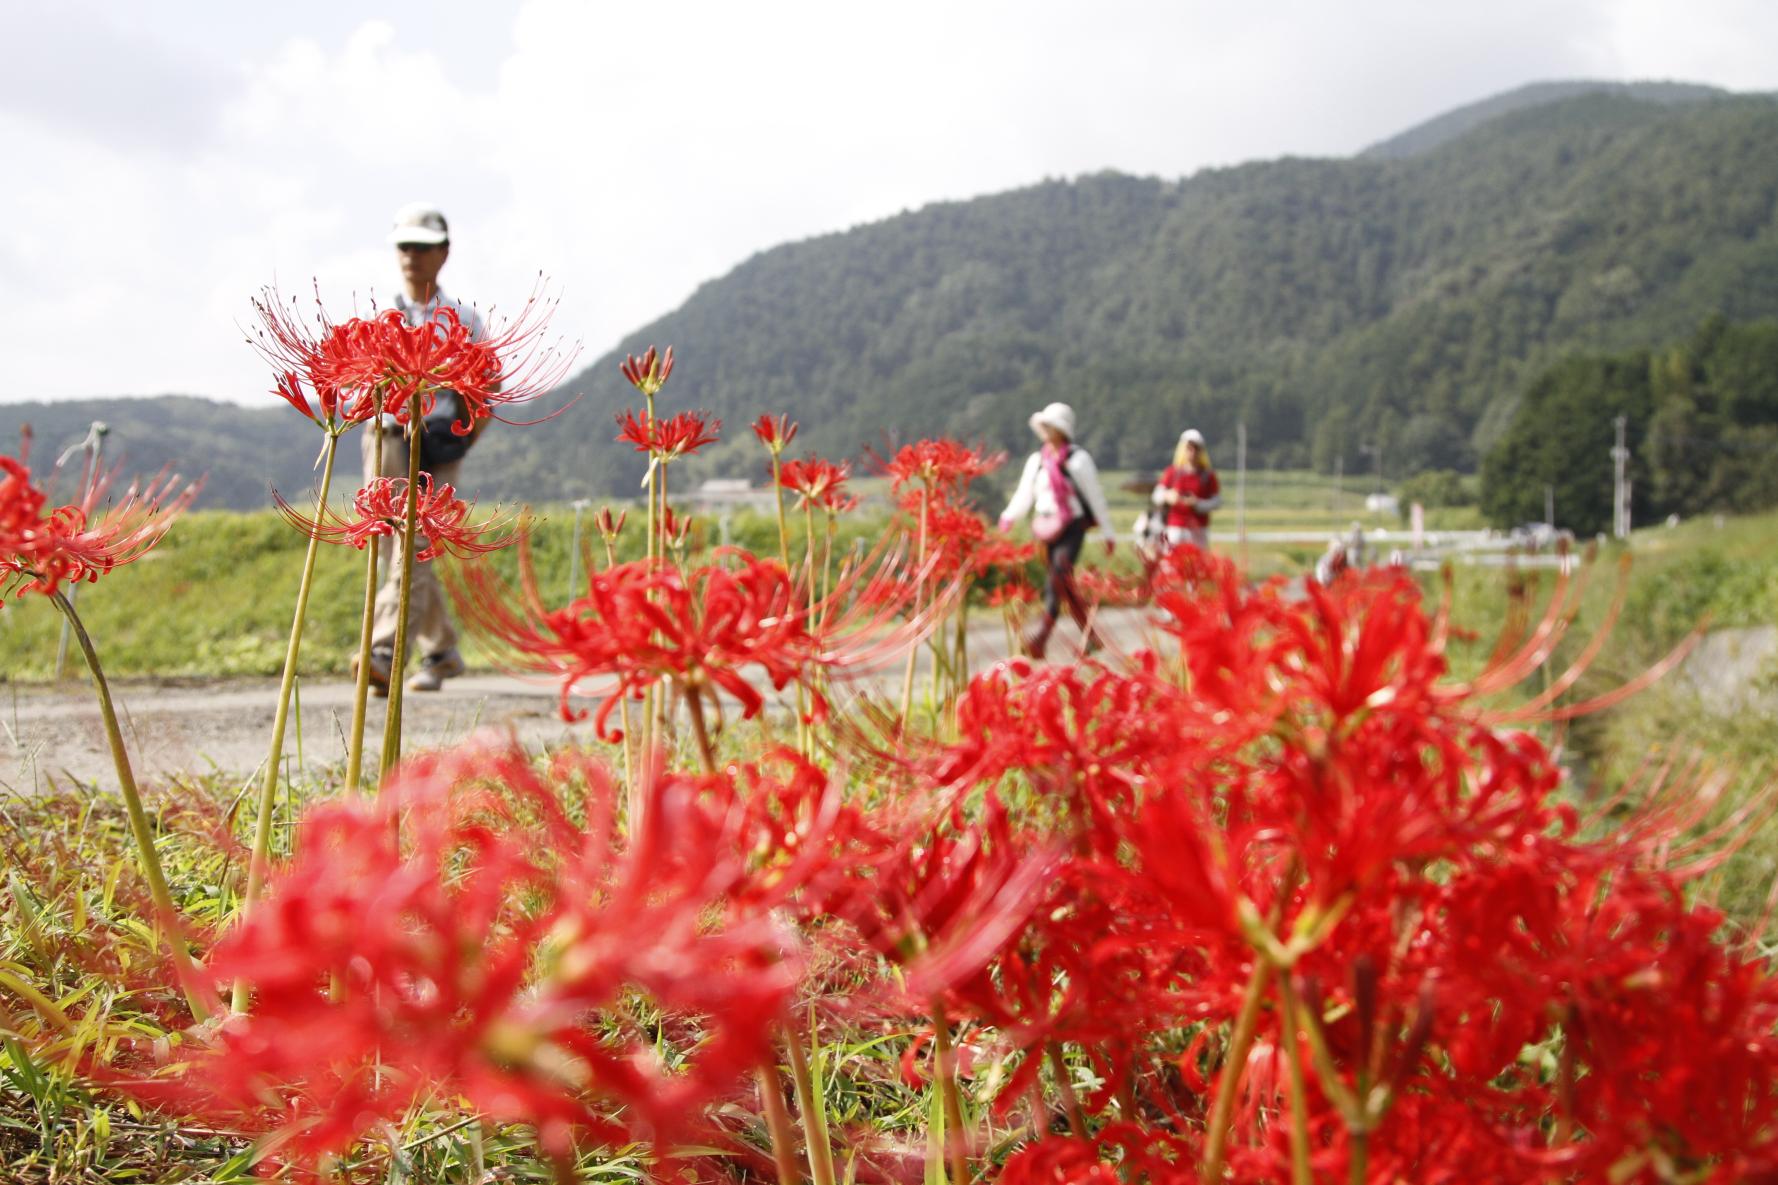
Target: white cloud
634 151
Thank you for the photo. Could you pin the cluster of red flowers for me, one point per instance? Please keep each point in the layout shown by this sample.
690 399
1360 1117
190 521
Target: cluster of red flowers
671 438
441 518
818 483
468 959
1280 899
367 367
42 547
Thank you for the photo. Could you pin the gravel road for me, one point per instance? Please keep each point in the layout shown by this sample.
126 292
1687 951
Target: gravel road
197 726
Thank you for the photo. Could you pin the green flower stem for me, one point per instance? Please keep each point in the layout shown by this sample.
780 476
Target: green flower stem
1077 1120
650 550
956 1138
771 1092
268 787
361 689
1299 1099
907 681
813 1110
392 722
805 733
1234 1065
960 667
366 626
139 827
783 529
631 789
694 702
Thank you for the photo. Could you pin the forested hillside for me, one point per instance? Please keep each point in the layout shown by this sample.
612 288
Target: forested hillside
1339 307
1701 423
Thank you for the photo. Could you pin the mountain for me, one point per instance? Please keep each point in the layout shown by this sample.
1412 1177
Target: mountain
1452 124
1397 302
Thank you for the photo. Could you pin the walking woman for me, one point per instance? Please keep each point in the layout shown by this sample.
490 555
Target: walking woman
1187 492
1061 484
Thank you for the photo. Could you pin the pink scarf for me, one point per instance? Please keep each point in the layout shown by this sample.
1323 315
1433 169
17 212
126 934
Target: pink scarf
1063 489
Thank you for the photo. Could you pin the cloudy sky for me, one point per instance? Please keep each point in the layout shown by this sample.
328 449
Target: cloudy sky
166 161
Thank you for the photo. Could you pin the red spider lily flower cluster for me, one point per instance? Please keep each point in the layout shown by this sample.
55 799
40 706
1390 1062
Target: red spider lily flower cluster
941 464
441 518
703 629
649 372
775 432
364 367
818 483
669 439
477 958
42 547
1298 812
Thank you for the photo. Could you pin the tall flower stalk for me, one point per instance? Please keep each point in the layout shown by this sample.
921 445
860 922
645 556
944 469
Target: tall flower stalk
40 550
410 515
361 669
274 759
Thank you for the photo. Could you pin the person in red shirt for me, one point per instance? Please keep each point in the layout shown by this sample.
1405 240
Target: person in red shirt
1187 492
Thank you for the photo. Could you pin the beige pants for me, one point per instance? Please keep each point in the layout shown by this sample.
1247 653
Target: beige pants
428 613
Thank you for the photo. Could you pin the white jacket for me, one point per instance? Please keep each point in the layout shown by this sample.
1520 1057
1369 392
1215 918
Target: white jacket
1034 492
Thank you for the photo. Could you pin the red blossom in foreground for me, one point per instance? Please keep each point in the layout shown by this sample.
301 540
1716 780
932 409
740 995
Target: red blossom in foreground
441 518
649 372
369 366
671 438
42 548
477 958
775 432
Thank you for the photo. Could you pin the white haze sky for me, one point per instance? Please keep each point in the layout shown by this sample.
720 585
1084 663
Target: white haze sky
164 161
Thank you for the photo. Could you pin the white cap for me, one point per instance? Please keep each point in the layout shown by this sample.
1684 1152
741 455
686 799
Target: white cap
1058 416
1192 436
419 222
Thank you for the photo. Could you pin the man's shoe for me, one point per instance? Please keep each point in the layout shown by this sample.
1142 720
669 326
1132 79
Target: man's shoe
381 662
435 669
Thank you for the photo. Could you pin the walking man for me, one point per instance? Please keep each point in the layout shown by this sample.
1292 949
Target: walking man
422 242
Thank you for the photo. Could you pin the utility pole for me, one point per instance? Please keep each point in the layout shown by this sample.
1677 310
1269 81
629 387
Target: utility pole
1620 489
1339 478
1549 504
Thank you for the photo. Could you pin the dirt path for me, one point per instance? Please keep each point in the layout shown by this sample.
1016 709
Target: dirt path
223 726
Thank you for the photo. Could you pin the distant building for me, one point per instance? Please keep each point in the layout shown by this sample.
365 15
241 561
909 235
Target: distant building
1382 504
731 493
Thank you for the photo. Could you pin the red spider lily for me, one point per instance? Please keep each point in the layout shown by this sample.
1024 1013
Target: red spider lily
1101 587
669 439
441 518
608 525
649 372
474 960
700 629
365 367
944 465
82 540
1012 595
775 432
817 483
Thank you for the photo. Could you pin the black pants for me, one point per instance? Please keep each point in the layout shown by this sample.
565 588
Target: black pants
1061 557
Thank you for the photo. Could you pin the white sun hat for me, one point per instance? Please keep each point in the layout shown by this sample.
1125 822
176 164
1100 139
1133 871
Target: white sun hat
419 222
1058 416
1192 436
